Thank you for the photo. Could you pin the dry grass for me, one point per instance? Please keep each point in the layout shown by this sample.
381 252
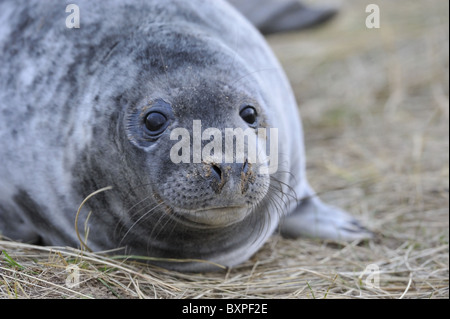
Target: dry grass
376 114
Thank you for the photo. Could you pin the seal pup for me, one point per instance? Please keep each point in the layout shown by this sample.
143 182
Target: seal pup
96 106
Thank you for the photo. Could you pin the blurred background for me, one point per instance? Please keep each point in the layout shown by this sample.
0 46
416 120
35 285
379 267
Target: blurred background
374 103
375 109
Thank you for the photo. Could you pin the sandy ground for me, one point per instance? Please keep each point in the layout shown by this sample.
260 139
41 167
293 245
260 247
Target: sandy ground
375 108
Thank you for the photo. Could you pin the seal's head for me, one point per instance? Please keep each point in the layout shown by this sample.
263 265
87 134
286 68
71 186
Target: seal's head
187 132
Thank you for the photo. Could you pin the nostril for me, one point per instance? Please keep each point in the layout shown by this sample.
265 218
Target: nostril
245 167
217 172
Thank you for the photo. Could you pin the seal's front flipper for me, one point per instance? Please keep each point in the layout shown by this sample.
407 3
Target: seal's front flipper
312 218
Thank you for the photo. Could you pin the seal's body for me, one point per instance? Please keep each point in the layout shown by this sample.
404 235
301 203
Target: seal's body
89 107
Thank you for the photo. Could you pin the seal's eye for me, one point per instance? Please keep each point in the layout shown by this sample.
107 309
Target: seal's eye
155 122
248 114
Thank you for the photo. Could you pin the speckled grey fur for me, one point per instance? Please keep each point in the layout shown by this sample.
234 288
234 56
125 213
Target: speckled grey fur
71 105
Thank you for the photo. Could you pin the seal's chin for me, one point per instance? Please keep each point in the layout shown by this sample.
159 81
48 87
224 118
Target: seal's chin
214 217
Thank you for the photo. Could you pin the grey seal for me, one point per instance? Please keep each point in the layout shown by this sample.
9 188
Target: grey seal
95 106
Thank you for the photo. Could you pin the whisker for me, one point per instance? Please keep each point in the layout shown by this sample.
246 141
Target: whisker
127 214
251 73
164 66
138 220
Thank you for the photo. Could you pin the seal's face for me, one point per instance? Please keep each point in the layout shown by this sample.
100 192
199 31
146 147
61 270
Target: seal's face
201 180
188 131
183 150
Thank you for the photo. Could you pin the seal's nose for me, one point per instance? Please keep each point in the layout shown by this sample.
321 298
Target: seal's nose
235 175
